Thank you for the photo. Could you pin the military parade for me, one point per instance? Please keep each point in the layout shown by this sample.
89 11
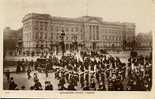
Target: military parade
91 71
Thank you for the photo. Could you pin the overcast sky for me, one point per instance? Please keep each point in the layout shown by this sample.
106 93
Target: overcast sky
136 11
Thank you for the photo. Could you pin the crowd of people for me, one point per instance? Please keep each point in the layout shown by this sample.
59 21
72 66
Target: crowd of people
93 72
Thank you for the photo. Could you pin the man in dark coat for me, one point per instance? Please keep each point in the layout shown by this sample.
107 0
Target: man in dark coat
29 72
12 85
37 85
48 85
71 86
18 69
86 86
61 87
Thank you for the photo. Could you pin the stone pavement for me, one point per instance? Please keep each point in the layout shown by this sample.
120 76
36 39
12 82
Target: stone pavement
21 79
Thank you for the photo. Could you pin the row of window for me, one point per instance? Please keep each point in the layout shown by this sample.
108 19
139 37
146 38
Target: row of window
66 29
111 44
41 35
37 45
112 31
73 38
111 38
41 23
42 27
27 27
76 29
145 44
27 36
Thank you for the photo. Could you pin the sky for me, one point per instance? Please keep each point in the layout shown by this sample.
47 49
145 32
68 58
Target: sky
139 12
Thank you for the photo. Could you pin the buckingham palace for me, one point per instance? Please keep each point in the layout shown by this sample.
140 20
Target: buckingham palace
42 33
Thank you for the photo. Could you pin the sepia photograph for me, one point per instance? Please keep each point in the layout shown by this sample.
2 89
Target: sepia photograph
77 45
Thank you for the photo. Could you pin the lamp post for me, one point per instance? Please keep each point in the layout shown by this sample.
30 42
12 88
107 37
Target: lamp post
62 41
75 43
42 47
37 49
51 47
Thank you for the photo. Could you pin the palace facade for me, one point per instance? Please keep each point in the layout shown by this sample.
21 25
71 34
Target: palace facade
42 32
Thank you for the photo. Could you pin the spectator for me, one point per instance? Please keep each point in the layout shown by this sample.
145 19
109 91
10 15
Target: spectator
12 85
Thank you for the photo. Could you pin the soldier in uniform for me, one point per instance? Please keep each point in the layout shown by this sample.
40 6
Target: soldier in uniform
29 72
8 75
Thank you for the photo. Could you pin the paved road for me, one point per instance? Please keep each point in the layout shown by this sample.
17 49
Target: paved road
21 79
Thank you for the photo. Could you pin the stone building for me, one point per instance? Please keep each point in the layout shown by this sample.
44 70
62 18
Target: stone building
42 33
36 33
